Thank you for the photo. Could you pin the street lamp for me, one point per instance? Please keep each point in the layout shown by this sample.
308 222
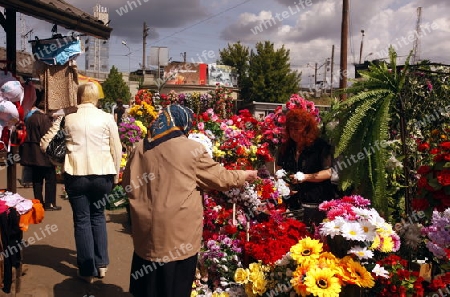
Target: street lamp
129 67
369 54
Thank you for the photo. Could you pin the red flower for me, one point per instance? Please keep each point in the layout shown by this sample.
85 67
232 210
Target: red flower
443 177
420 204
423 147
424 169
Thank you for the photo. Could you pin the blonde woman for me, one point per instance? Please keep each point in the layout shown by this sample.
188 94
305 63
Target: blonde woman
91 168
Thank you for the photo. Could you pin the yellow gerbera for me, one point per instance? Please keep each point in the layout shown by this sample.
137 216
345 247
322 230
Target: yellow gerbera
322 282
327 259
297 280
355 273
306 249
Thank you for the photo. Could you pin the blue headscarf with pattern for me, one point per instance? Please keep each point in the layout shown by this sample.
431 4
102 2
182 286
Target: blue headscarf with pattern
174 121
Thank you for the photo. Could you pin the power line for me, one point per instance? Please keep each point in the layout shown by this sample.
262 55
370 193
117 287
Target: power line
202 21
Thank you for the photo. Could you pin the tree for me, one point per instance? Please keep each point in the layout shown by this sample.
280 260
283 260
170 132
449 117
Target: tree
115 88
237 56
270 78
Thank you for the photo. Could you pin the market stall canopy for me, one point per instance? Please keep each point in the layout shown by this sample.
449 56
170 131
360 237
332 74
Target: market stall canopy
60 13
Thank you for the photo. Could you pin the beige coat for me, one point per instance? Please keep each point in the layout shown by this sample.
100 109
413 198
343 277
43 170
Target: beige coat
163 185
92 139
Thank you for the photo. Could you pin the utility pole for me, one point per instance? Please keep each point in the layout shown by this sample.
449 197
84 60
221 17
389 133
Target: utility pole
184 57
361 47
416 46
315 76
144 45
344 44
332 73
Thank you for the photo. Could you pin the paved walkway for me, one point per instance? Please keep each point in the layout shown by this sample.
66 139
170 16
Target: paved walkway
49 263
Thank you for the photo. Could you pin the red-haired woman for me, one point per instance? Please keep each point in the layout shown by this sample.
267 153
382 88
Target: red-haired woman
305 152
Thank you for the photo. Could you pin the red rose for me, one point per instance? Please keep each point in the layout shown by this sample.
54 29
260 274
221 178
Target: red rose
423 147
443 177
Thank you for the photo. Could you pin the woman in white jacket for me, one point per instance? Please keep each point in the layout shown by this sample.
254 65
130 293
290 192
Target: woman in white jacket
91 168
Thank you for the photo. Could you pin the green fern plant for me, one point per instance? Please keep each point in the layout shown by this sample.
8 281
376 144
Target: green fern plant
363 129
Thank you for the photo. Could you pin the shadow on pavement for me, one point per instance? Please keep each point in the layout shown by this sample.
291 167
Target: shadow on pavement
59 259
120 218
75 287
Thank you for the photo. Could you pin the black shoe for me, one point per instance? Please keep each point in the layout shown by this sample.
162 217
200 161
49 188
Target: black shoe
52 207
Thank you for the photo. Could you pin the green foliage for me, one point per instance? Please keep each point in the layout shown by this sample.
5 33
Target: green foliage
363 130
115 88
264 74
270 77
237 56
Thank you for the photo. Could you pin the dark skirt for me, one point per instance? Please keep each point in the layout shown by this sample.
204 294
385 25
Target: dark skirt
158 279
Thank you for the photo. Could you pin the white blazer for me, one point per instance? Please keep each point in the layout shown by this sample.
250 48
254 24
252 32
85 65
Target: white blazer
93 143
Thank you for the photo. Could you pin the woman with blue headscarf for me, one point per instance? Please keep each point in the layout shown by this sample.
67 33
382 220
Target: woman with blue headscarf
163 179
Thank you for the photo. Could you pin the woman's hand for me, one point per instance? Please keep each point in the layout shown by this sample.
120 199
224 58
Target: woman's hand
251 175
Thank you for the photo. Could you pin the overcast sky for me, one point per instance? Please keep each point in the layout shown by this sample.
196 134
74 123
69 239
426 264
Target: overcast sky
308 28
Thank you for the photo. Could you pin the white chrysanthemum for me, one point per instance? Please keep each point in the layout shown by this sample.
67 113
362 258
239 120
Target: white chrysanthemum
282 187
369 230
352 231
361 253
280 173
380 271
203 139
300 176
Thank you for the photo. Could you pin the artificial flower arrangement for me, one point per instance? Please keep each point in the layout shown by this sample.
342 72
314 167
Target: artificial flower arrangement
306 270
394 279
143 110
131 131
359 229
433 185
437 238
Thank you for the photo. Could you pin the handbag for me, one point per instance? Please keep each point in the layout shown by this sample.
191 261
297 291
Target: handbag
56 150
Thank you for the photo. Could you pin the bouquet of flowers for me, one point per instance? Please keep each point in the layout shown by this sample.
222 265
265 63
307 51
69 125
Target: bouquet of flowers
271 239
143 109
394 279
438 237
305 269
131 131
434 175
357 228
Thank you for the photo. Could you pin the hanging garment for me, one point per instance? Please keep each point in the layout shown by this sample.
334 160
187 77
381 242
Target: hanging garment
29 97
60 84
56 51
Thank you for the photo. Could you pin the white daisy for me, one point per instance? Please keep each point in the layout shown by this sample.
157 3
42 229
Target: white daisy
353 231
330 228
361 253
380 271
369 230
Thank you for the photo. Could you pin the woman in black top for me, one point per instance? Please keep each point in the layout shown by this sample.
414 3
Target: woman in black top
304 151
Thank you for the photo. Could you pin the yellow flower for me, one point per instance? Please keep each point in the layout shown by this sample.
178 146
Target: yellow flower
306 249
322 282
241 276
355 273
443 136
194 293
249 290
297 279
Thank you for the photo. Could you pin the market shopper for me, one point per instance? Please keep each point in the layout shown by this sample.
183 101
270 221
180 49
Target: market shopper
308 159
164 175
43 171
91 168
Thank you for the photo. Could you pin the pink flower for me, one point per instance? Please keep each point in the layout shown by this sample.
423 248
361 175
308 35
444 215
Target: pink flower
201 126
